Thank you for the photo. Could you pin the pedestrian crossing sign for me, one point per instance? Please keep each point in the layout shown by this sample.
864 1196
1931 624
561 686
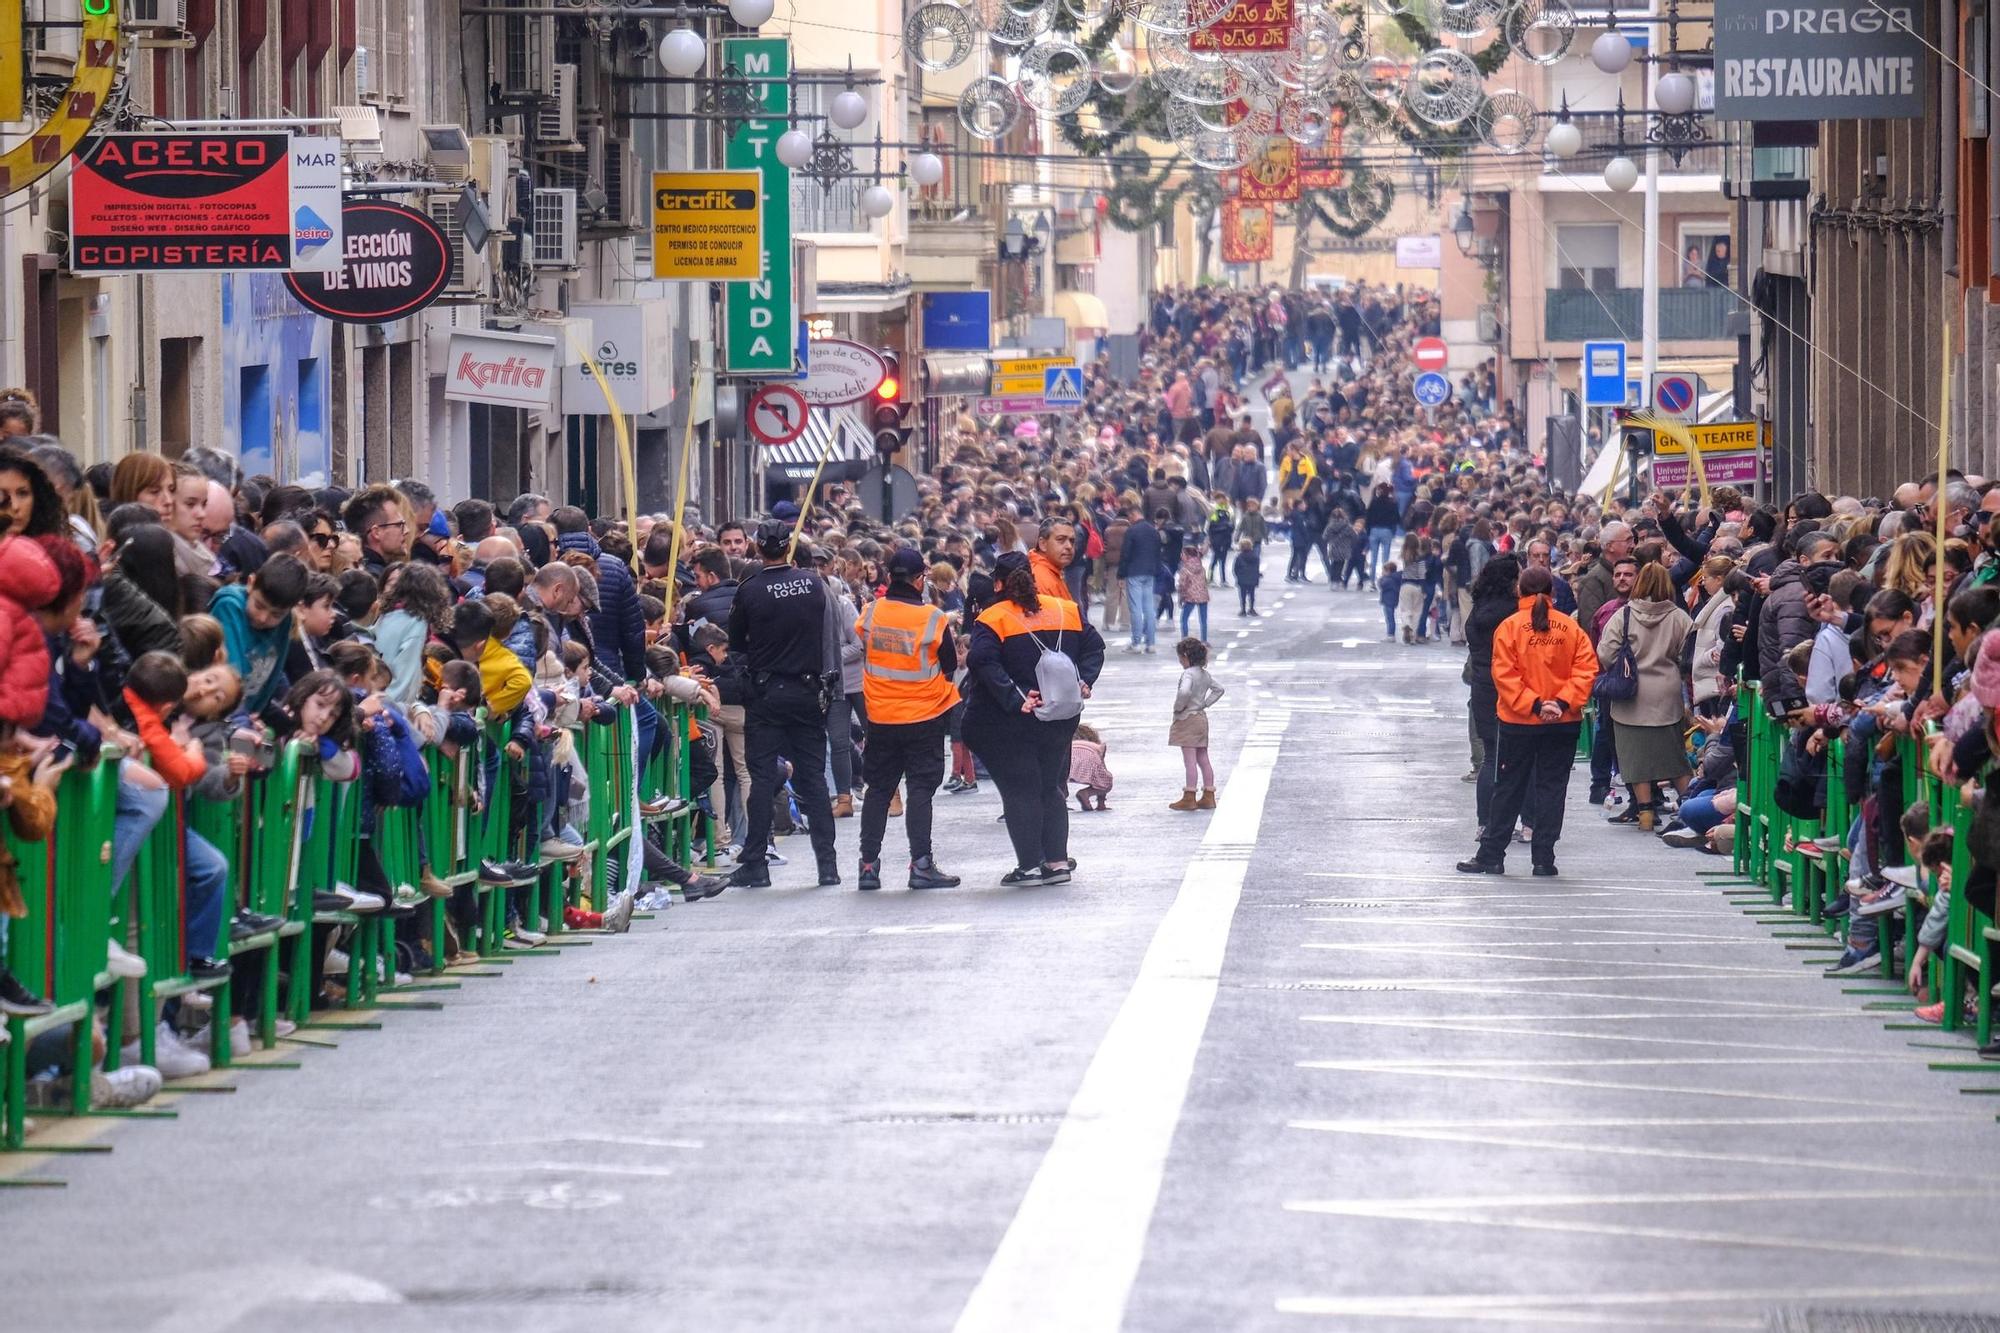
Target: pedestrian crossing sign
1062 386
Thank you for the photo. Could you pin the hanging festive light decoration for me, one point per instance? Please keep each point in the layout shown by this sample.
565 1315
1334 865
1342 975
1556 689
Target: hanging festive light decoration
1621 173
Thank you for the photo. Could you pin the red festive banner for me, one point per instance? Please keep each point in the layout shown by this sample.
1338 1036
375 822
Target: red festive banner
1246 233
1250 26
1319 168
1273 178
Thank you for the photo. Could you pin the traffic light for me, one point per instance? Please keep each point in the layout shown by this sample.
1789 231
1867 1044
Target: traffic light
891 408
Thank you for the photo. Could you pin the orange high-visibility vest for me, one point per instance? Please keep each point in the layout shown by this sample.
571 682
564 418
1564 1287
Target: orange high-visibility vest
901 681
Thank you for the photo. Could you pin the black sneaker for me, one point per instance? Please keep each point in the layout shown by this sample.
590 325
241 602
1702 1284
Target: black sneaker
1991 1050
1597 795
1052 875
329 902
751 875
1547 871
1022 877
1478 867
924 874
829 875
699 887
493 872
18 1001
207 969
870 876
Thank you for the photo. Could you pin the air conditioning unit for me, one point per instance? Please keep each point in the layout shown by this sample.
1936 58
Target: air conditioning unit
625 187
578 164
555 119
554 228
527 56
468 267
492 160
156 15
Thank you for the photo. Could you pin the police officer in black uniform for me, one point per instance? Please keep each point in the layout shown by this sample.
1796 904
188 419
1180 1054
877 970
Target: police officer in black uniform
778 626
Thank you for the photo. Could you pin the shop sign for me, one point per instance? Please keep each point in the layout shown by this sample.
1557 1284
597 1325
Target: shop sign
505 369
633 345
316 205
164 203
757 316
707 225
1830 60
393 262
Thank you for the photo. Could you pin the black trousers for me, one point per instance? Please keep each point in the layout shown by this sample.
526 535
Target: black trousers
1029 761
785 718
911 753
1487 729
1532 764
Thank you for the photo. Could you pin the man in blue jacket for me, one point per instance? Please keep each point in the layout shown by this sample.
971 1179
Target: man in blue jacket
1139 566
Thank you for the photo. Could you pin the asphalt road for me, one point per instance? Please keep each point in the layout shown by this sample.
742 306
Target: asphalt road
1276 1067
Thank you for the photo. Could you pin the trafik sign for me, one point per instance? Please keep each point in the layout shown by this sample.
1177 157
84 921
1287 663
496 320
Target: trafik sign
758 316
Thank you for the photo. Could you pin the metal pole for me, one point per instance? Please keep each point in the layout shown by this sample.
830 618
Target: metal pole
1649 296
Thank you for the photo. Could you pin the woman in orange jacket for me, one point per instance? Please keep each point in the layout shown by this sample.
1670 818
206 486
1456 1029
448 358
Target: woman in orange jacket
1543 669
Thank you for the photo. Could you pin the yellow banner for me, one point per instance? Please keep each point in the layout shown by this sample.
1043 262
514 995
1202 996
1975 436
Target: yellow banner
1718 437
707 224
13 60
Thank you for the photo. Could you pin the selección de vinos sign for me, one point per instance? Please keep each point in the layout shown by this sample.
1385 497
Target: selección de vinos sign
394 261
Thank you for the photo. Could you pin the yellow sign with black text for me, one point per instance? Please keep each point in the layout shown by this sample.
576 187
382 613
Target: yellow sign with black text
1024 376
708 225
1718 437
13 60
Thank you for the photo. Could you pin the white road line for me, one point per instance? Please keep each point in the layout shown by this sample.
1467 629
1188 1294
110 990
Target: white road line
1072 1252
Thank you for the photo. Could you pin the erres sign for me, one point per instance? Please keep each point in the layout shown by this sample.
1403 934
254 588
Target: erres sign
707 225
181 202
393 262
1830 60
506 369
634 348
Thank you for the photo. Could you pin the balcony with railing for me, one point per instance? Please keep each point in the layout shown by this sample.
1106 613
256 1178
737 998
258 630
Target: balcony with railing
1602 141
1687 314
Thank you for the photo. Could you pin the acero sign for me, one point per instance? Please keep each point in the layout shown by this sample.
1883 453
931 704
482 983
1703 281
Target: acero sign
1835 60
394 261
167 202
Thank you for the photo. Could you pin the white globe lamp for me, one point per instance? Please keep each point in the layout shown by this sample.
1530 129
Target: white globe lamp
849 109
926 169
751 13
1564 139
1621 174
876 201
794 148
1674 94
1611 53
683 53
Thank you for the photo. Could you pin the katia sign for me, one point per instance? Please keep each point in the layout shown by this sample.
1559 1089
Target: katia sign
506 369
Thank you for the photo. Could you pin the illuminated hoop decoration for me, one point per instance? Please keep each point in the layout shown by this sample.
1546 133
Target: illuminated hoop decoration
55 138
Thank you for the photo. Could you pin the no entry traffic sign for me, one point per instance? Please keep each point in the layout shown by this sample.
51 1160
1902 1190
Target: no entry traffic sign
1429 353
777 414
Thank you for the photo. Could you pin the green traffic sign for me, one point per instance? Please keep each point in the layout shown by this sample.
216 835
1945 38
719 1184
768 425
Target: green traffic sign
757 317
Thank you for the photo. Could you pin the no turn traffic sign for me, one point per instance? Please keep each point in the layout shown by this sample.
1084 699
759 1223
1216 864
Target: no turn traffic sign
777 414
1429 353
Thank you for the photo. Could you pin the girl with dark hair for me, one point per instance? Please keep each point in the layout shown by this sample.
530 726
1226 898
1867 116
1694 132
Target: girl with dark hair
29 503
142 595
1027 753
415 606
1543 667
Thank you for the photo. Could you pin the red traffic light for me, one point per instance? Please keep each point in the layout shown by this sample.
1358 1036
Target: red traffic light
888 389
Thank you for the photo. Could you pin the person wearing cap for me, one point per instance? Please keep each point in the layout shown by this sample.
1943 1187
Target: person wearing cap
1028 756
908 658
778 625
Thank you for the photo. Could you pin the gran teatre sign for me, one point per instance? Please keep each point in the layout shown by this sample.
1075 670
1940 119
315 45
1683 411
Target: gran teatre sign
1836 60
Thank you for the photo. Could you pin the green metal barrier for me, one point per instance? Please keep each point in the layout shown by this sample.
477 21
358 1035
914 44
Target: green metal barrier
59 948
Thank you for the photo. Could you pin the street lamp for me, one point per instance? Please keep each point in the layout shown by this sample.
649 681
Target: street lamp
683 53
1464 231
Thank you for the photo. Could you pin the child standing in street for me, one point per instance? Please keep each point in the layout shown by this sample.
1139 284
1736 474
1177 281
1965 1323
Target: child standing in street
1390 581
1249 571
1087 768
1192 586
1192 699
1416 576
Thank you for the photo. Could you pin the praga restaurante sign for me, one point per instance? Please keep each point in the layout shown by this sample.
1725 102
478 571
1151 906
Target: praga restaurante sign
1832 60
394 261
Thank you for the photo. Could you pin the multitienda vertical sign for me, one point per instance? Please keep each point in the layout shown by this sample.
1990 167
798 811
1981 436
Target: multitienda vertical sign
757 316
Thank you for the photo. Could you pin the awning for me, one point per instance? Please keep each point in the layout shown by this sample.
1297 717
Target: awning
1083 311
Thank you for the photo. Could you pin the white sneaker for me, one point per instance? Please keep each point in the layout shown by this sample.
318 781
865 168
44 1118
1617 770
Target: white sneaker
172 1057
197 1001
123 963
360 901
618 916
129 1086
239 1037
534 939
410 896
1906 876
285 1027
336 960
555 849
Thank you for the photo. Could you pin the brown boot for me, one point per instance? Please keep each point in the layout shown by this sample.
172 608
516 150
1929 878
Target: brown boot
1207 801
896 803
1186 802
843 806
